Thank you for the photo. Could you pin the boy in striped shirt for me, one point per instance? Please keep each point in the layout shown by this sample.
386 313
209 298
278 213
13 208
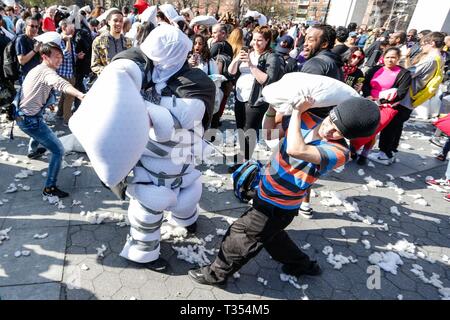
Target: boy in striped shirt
310 147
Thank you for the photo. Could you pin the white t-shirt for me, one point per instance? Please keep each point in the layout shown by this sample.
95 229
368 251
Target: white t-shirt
244 83
213 68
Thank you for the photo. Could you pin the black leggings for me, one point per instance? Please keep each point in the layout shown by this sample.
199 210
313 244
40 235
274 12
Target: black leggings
239 114
390 135
253 123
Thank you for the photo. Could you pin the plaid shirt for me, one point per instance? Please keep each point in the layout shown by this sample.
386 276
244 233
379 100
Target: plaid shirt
100 58
67 67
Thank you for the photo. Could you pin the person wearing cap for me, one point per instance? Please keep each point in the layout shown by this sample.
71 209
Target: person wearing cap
351 40
35 96
283 48
310 148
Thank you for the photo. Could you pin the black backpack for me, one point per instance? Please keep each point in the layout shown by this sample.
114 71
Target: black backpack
10 62
7 95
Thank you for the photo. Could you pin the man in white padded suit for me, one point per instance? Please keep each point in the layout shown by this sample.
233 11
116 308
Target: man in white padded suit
165 178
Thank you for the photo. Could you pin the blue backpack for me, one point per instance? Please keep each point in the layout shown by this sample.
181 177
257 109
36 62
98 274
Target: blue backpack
246 179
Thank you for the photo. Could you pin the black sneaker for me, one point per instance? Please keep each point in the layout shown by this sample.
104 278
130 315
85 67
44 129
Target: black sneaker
313 270
234 167
159 265
362 161
37 154
54 192
192 228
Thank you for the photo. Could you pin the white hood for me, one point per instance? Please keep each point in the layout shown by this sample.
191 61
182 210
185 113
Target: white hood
168 47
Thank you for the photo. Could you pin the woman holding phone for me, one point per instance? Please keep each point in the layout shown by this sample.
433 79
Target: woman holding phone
201 56
258 67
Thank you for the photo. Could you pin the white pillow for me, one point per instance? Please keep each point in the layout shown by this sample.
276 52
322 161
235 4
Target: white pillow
191 143
105 14
152 197
70 143
112 125
50 36
284 94
187 200
203 20
131 68
137 211
149 15
189 112
161 121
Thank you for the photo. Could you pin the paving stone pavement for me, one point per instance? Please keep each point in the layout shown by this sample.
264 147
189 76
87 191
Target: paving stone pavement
64 265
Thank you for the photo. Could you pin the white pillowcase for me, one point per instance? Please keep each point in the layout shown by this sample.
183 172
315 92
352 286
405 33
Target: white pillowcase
161 121
152 197
112 123
189 112
294 87
187 199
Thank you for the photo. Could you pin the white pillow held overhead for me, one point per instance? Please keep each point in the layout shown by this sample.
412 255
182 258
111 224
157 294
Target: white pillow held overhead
294 87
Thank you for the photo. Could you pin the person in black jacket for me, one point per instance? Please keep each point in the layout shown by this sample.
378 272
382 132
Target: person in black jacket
7 91
374 53
321 60
319 41
83 43
341 36
378 79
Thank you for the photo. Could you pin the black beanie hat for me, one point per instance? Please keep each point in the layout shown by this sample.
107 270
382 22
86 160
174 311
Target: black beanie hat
356 117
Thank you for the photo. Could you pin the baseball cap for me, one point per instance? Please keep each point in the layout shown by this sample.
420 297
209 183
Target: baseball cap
285 44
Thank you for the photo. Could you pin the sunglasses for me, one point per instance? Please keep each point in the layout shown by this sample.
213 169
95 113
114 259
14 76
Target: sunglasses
355 56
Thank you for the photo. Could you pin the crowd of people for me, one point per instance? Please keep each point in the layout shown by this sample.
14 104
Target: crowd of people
390 69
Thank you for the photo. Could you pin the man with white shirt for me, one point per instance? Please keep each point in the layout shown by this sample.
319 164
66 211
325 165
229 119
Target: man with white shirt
35 96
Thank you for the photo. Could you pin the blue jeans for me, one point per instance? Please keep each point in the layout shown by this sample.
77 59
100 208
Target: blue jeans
40 133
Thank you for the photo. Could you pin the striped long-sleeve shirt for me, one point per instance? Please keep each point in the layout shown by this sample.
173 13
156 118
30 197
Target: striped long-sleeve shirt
285 180
37 86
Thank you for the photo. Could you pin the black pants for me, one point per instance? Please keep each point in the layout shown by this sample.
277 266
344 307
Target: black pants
253 123
259 227
226 87
390 136
79 85
239 114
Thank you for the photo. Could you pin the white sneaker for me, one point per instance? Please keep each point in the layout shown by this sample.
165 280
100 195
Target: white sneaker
308 214
381 157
